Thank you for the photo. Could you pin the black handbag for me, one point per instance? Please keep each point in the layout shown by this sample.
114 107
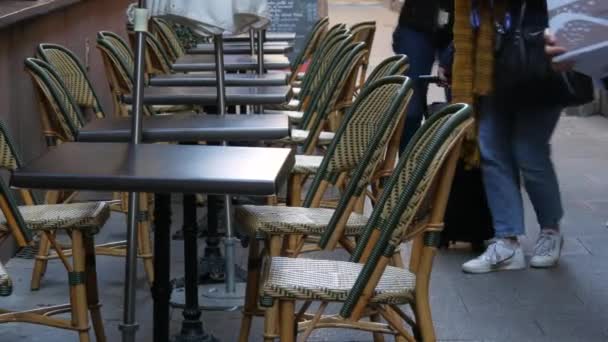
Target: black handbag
523 72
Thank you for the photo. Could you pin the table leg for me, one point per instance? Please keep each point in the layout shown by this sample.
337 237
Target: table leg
192 326
129 325
212 265
161 289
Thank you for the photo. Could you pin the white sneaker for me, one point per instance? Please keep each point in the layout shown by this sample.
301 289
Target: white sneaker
501 255
547 250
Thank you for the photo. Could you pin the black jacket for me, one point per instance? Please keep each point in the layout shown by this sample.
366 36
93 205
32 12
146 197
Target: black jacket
422 15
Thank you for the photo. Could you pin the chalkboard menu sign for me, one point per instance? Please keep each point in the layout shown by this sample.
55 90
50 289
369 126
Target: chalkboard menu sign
297 16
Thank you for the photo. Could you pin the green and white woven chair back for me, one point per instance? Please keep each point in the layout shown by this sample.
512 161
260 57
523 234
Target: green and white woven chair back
364 32
156 49
66 113
168 35
320 56
315 82
361 139
406 190
392 66
10 161
9 158
73 74
121 57
451 132
311 43
339 72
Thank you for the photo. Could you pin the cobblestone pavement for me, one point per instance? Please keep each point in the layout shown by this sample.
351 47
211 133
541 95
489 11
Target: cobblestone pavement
567 303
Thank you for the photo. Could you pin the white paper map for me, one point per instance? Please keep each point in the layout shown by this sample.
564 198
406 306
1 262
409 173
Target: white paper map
581 26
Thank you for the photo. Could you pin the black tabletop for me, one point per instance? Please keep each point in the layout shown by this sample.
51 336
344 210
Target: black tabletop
187 128
159 168
270 37
245 62
241 49
208 79
208 95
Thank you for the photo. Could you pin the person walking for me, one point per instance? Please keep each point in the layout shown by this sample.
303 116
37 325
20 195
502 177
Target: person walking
514 138
423 33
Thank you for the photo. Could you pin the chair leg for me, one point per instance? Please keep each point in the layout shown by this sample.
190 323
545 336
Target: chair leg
92 289
378 337
80 317
287 318
271 315
40 262
145 246
251 294
294 191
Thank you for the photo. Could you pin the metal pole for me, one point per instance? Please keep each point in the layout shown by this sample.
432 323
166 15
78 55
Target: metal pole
129 326
261 35
229 241
252 41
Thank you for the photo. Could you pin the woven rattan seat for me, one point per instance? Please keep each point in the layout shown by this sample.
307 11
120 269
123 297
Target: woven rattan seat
298 136
82 216
275 220
294 115
330 280
293 104
306 164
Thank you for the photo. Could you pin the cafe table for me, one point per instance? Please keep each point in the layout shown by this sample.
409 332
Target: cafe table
232 63
189 128
162 169
208 79
242 48
268 37
207 96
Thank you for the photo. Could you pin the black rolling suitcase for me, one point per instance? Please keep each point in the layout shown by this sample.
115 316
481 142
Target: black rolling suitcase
467 216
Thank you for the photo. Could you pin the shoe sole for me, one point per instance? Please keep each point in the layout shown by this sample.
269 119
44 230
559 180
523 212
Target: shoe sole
553 264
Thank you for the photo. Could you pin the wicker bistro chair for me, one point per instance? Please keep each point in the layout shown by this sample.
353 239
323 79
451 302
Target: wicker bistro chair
120 65
412 208
311 132
6 284
302 90
74 76
62 119
81 221
358 147
168 37
364 32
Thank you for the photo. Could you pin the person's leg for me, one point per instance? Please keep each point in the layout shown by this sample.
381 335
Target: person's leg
532 151
501 182
419 47
499 169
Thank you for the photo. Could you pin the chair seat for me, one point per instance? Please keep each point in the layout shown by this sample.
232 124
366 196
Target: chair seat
330 280
275 220
294 116
298 136
306 164
89 216
293 104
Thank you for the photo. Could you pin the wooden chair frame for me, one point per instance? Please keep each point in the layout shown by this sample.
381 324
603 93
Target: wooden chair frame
378 249
53 111
293 244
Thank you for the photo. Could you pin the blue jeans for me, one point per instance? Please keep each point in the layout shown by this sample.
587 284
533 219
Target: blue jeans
515 145
422 49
